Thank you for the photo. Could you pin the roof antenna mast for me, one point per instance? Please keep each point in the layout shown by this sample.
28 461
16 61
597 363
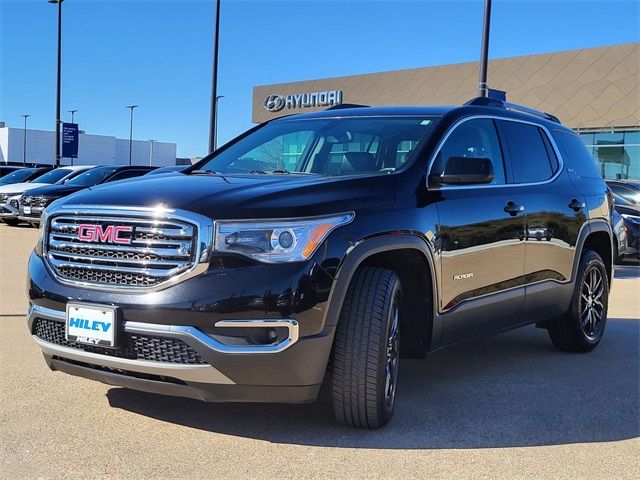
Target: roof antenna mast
483 88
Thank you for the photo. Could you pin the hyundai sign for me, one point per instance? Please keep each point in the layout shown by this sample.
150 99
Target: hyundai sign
276 103
70 140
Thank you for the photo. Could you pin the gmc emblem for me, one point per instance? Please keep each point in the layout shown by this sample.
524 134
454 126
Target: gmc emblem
103 233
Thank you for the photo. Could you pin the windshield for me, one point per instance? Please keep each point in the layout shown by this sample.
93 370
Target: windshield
53 176
619 200
17 176
326 146
92 177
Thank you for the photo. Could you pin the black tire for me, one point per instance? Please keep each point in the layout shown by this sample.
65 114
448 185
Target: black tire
366 350
581 328
13 222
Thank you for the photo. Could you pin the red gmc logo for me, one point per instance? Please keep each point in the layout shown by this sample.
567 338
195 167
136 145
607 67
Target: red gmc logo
103 233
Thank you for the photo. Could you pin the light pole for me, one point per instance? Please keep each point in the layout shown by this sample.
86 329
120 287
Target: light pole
24 146
131 107
214 81
215 132
151 150
72 112
58 156
483 88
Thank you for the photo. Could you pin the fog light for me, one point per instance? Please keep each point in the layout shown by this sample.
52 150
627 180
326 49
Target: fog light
272 334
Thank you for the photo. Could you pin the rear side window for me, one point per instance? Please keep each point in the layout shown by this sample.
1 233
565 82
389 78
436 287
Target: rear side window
576 154
528 153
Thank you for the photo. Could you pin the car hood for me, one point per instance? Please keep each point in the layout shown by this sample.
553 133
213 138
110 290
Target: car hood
55 190
248 196
21 187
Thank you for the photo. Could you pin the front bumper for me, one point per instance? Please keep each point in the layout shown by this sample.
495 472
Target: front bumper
33 217
192 313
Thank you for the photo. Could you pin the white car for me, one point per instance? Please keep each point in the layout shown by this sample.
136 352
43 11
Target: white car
10 194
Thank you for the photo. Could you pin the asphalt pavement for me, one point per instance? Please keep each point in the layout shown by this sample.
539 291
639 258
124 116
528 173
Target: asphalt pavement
508 406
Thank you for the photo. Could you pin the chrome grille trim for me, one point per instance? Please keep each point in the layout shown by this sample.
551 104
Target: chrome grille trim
168 246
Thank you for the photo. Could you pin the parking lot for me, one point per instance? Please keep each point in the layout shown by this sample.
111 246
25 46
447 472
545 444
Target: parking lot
509 406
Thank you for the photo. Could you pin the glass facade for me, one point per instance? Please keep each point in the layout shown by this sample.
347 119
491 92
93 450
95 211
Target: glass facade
616 152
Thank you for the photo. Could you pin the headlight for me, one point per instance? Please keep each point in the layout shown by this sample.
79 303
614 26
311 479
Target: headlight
41 233
277 241
631 218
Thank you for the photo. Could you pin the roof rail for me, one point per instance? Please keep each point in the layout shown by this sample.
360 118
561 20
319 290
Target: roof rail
492 102
346 105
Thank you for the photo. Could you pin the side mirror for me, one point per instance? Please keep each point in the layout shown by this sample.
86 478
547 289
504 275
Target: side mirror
464 170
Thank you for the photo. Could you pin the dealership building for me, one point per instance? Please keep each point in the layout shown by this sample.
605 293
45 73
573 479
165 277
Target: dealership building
92 149
595 91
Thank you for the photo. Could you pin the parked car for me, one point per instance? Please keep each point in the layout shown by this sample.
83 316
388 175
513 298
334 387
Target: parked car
630 212
244 278
33 201
10 194
619 237
23 175
627 189
7 169
169 169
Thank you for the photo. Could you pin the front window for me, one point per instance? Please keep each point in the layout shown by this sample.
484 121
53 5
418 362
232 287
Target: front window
53 176
91 177
17 176
328 146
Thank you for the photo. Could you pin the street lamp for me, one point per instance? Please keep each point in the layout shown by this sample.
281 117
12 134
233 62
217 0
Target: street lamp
214 81
151 150
24 147
58 156
131 107
72 112
215 132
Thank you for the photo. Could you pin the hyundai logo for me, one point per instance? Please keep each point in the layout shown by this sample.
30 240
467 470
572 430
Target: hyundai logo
274 103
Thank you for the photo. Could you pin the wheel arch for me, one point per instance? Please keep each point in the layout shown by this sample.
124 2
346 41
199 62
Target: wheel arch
595 235
393 252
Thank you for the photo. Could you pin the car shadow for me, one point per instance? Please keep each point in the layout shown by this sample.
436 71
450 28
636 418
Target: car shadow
508 390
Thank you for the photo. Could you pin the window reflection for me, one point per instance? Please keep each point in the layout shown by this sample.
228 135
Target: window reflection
617 153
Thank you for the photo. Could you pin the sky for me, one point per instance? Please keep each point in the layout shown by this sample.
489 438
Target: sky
158 53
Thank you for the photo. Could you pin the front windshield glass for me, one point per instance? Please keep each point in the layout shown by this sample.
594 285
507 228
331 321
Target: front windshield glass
91 177
17 176
53 176
325 146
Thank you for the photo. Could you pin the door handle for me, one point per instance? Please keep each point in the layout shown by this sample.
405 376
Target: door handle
576 205
513 208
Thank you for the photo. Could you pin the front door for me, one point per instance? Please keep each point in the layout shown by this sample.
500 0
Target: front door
481 238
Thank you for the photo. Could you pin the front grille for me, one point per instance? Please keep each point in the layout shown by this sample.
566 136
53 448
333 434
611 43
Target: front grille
154 250
35 201
131 346
4 197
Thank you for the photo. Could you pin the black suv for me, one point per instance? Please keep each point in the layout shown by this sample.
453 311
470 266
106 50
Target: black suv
335 242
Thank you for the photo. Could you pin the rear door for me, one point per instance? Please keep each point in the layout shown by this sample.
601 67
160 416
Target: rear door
481 240
555 212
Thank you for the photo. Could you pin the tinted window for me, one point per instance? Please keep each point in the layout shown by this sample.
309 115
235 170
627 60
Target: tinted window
127 174
576 155
473 139
18 176
53 176
528 156
91 177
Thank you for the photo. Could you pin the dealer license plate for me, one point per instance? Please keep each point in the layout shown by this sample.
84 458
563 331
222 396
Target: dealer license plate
91 324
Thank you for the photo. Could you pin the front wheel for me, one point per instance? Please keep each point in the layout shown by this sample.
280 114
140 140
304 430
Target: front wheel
366 350
13 222
581 328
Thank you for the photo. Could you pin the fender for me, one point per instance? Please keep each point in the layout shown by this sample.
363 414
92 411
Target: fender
589 227
364 249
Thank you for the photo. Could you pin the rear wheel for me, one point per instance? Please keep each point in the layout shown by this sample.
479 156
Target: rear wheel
366 350
581 328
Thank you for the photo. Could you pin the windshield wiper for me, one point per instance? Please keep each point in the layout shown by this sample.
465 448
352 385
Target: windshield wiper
266 172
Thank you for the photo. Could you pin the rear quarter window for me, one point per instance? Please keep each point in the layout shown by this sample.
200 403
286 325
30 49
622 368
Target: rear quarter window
576 155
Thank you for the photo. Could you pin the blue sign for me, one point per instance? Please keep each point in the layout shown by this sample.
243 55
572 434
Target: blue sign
70 140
